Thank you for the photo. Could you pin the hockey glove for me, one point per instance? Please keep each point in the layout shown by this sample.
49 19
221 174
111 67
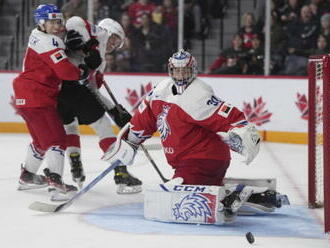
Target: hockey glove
121 150
84 74
93 59
90 44
243 140
73 40
120 115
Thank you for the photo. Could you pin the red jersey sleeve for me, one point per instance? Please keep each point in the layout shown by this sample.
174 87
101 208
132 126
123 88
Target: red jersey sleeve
60 64
143 122
223 119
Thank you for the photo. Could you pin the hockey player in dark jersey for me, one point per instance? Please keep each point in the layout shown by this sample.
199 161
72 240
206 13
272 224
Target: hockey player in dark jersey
78 104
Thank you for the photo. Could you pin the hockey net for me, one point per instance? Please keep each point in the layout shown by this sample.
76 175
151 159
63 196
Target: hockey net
319 135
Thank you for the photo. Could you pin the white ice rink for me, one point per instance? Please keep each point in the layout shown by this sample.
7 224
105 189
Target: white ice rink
21 227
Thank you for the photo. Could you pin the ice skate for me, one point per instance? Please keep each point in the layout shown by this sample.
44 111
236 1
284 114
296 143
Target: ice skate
77 170
29 180
236 197
126 183
57 188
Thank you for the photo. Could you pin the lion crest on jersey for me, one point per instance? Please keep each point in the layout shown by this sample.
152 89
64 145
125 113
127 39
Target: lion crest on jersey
192 205
162 124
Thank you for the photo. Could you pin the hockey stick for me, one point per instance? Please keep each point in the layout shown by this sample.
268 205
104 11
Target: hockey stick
52 208
45 207
142 146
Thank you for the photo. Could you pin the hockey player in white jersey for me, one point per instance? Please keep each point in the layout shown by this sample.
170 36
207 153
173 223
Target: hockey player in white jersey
197 130
78 103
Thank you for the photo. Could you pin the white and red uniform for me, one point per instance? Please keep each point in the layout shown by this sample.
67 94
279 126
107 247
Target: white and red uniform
36 90
89 31
188 125
103 125
45 66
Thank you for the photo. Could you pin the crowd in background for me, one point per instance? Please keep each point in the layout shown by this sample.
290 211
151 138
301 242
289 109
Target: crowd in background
299 28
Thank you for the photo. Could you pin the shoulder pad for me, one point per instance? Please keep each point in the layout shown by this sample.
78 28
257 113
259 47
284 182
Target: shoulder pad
42 42
79 24
199 100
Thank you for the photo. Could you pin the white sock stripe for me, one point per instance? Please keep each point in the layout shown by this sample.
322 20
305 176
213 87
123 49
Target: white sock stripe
57 149
36 154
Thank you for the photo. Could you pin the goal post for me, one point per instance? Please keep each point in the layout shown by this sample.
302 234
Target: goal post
319 135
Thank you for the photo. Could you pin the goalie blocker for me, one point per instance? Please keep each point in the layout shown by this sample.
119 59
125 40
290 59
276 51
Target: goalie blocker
201 204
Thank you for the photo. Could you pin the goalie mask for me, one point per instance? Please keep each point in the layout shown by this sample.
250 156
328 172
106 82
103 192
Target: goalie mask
116 34
182 68
47 12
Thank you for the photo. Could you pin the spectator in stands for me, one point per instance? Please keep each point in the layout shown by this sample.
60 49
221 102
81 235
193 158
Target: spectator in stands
289 12
278 44
232 60
110 65
170 16
118 7
170 21
322 46
75 8
123 57
249 29
101 10
302 35
126 23
319 6
157 15
136 10
325 26
255 57
150 46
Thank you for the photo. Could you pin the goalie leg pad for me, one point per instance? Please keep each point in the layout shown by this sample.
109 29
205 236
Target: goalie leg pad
198 204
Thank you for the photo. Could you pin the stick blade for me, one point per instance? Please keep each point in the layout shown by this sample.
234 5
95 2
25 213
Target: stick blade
45 207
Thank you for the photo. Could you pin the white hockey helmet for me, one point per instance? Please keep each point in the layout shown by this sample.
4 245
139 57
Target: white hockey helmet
112 27
182 68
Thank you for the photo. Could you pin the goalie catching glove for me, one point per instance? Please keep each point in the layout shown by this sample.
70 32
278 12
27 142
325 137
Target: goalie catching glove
243 140
121 150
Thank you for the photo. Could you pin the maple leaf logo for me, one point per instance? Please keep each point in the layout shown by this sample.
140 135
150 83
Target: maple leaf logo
255 112
302 104
134 98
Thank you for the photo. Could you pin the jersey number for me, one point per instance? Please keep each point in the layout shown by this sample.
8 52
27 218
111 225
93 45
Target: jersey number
55 43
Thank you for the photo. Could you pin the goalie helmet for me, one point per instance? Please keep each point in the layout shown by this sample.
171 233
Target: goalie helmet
46 12
182 68
112 27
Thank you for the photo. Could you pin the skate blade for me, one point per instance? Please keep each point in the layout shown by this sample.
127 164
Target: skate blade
60 196
123 189
31 186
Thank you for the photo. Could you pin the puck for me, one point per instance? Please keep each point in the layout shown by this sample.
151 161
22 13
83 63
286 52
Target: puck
250 238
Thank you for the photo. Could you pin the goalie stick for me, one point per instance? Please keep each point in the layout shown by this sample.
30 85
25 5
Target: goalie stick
106 86
52 208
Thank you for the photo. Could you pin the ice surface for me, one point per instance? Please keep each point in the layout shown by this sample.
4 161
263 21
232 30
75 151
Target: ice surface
22 227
